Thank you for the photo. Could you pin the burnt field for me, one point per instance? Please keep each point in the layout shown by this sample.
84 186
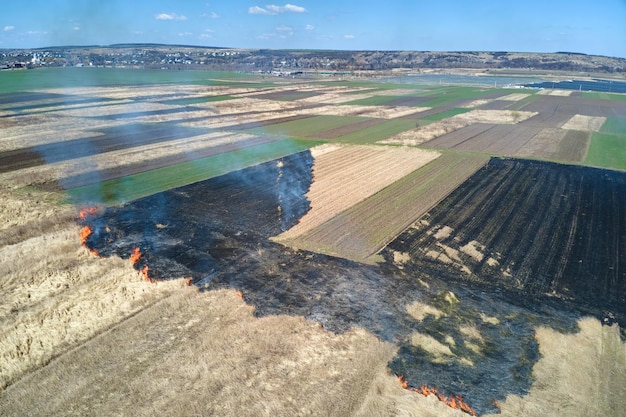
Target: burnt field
539 229
217 233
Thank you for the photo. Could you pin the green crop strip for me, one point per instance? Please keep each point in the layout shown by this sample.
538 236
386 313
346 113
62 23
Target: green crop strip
132 187
607 150
308 127
377 132
445 114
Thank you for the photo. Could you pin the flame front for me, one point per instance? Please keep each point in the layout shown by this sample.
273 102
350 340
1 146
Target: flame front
455 401
134 257
86 212
84 234
146 275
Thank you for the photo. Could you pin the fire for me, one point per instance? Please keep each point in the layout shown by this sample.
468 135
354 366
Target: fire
134 257
145 274
455 401
86 212
240 294
84 234
188 281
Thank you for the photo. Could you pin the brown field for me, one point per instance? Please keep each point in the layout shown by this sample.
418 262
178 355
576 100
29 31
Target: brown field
350 174
434 130
362 230
577 105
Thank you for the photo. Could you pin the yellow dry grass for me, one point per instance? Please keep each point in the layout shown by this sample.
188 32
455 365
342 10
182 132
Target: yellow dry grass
56 295
578 375
584 123
196 354
125 156
381 112
350 174
514 97
558 93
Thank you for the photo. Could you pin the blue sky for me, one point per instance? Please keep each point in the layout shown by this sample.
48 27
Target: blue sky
593 27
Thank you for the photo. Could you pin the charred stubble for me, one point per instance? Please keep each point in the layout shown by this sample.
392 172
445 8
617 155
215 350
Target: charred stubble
217 231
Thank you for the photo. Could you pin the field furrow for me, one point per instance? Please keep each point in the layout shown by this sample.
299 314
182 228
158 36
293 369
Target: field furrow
362 230
337 189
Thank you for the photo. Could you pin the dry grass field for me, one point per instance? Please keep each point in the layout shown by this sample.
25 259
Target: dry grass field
87 335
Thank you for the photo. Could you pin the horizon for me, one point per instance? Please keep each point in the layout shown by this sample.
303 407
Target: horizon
345 25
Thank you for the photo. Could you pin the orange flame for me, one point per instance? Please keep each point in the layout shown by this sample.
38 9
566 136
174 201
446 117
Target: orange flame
188 281
134 257
240 294
455 401
145 274
87 211
84 234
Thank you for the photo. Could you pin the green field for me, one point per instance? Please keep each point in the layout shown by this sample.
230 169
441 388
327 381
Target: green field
608 151
196 100
605 96
445 114
131 187
614 126
377 132
36 79
373 101
309 127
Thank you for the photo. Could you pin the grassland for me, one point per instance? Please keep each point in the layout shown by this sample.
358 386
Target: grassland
607 150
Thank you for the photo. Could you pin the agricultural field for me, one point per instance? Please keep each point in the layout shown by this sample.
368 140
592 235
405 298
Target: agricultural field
362 228
208 241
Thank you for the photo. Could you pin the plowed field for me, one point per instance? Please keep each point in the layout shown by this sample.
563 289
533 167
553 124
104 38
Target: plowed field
532 227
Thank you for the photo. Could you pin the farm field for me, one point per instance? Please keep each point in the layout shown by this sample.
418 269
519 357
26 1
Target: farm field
534 227
347 175
360 230
215 239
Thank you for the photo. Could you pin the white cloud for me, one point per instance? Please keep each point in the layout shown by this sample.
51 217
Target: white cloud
309 27
214 15
257 10
206 36
185 34
76 28
8 28
284 28
273 9
349 37
169 16
36 32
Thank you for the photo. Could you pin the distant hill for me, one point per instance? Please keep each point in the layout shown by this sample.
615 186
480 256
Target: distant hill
198 57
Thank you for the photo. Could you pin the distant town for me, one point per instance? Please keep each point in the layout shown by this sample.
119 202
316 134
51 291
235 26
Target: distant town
297 62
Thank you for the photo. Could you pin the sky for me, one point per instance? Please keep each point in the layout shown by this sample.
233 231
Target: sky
585 26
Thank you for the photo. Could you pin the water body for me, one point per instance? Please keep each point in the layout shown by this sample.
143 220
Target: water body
456 79
604 86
